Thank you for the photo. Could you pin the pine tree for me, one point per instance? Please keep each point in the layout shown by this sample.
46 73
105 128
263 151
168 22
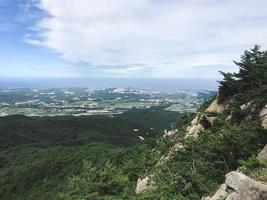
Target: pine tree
228 86
252 68
252 74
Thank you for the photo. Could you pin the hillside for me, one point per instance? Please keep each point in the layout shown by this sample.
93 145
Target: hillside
225 137
226 134
38 154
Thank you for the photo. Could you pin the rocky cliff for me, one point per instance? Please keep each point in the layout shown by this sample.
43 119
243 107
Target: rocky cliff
237 185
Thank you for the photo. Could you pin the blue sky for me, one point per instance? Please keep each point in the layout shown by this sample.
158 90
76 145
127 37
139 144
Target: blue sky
127 38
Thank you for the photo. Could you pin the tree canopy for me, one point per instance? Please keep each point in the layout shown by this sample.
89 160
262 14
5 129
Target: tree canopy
252 73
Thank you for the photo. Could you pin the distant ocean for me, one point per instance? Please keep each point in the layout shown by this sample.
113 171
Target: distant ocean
99 83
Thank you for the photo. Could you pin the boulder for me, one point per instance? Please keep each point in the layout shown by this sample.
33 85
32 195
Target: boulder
220 194
263 154
169 133
238 186
144 184
194 130
242 187
211 120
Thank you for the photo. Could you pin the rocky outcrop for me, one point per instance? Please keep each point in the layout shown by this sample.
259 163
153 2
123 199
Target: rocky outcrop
194 130
216 107
144 184
168 133
198 124
238 186
246 105
263 117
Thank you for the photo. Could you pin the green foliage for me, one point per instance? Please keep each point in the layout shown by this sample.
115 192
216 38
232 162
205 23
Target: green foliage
252 74
250 164
228 86
38 154
100 157
69 130
201 165
95 184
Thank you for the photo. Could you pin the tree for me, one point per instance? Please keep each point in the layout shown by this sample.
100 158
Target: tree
252 68
228 86
252 74
95 183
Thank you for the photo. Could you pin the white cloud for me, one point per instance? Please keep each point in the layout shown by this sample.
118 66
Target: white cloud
181 33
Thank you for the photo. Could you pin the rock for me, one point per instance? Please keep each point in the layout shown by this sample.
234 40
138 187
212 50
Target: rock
169 133
195 120
141 138
263 117
244 188
263 154
246 105
178 146
220 194
144 184
193 131
238 186
198 124
216 107
263 112
229 117
211 120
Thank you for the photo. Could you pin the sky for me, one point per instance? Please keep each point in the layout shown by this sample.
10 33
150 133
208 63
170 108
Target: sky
127 38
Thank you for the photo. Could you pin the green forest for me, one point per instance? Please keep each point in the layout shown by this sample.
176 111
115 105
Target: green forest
100 158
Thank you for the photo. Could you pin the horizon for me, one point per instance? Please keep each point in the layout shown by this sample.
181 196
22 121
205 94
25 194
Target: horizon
161 84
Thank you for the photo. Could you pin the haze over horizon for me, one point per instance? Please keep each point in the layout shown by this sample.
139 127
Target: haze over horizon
135 39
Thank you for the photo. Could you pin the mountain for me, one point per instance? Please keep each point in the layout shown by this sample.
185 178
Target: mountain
219 152
225 134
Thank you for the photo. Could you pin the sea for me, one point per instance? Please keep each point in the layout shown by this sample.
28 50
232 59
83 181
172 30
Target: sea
100 83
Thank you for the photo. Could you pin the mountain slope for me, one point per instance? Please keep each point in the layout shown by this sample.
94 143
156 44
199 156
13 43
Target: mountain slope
224 135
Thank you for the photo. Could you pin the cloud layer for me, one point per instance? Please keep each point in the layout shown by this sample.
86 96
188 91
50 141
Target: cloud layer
159 38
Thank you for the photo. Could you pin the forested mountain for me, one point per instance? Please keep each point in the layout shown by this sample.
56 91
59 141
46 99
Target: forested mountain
226 134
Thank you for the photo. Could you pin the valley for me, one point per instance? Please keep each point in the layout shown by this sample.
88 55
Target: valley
84 101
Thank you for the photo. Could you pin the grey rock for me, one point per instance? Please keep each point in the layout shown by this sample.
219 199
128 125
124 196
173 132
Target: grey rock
263 154
216 107
238 186
263 117
144 184
220 194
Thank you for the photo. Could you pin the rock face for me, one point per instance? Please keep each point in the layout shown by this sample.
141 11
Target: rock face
238 186
198 124
263 117
143 184
215 107
194 130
